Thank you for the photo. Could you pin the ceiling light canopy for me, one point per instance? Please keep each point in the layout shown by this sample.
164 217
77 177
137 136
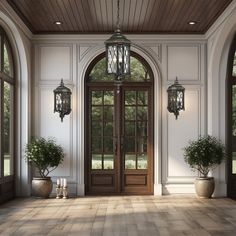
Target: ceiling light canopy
58 23
192 22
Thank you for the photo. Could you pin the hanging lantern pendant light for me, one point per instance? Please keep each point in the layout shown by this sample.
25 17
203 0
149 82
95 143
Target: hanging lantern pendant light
118 52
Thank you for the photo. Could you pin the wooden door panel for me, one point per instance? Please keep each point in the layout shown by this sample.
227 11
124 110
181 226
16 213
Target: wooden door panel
137 133
101 162
120 141
134 180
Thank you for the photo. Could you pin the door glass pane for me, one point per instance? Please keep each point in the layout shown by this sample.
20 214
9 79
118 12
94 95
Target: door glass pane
108 145
8 130
130 113
108 163
108 113
96 97
97 128
234 163
108 97
96 161
130 128
97 113
142 113
142 98
130 97
142 161
108 128
141 128
142 145
129 144
130 161
96 144
102 128
136 129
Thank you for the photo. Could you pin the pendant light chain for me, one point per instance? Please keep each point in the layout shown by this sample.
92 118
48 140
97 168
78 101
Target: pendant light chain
118 15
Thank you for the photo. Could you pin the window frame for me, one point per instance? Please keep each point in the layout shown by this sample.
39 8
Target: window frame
4 77
230 139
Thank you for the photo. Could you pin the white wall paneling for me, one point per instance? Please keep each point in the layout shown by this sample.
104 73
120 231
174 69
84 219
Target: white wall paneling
55 62
189 123
192 58
177 177
183 61
79 54
187 61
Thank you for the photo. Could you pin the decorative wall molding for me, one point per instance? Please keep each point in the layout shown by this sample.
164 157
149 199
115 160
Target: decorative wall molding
154 49
81 55
174 126
174 64
56 48
84 50
178 188
49 131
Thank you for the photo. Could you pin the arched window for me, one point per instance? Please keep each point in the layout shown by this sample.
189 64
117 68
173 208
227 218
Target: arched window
6 116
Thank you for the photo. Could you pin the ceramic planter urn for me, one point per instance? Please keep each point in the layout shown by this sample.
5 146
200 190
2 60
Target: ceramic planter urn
41 187
204 187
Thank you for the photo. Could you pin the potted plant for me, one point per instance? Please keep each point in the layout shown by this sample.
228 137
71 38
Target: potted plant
45 155
204 155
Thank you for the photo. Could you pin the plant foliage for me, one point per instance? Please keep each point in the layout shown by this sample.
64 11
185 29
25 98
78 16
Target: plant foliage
204 154
45 154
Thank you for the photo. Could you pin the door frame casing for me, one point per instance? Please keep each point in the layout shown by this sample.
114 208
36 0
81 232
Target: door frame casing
155 67
119 173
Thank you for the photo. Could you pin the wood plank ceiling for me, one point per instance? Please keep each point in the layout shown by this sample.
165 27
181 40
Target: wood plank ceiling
136 16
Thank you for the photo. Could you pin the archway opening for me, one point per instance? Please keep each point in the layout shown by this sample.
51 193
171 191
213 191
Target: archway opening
119 130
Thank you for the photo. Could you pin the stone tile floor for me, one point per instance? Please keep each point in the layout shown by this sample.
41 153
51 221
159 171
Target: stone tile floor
119 215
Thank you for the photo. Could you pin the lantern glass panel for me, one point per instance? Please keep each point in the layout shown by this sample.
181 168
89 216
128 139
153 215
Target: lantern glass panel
120 60
58 102
179 100
126 60
111 59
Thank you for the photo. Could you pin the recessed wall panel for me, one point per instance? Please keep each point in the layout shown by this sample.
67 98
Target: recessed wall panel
55 63
51 126
183 62
180 131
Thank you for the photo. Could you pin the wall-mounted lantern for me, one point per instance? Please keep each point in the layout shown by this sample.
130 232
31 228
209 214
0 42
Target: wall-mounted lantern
175 98
62 100
118 52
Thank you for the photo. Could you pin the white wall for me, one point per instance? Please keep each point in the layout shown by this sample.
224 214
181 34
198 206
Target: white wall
68 57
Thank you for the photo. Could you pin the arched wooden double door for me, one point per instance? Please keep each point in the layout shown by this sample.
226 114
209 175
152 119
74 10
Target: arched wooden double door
119 130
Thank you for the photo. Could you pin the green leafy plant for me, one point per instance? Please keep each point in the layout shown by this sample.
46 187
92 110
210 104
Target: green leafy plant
204 154
45 154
